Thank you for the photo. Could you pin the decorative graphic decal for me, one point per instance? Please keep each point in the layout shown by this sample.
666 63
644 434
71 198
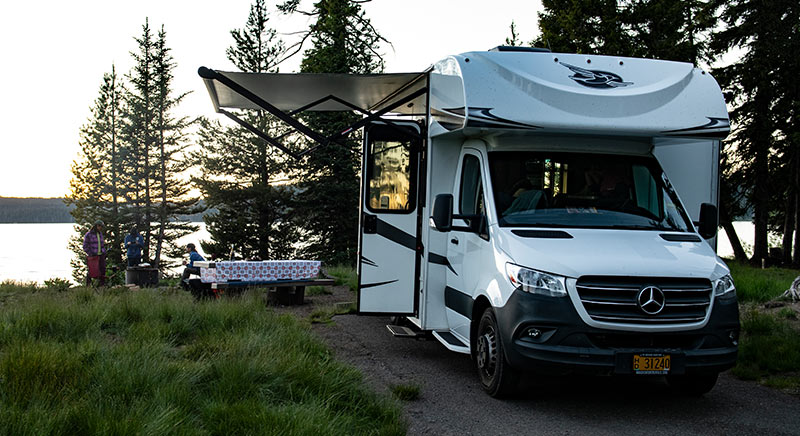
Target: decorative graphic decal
721 126
595 78
372 285
483 117
438 259
450 119
366 261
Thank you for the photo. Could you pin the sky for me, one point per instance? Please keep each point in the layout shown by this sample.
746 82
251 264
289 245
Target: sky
55 54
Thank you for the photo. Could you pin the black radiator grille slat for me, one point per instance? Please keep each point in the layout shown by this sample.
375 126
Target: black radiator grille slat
613 299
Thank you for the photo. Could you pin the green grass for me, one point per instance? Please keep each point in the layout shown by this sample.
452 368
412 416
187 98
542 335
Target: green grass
760 285
406 392
769 350
344 275
156 362
325 315
318 290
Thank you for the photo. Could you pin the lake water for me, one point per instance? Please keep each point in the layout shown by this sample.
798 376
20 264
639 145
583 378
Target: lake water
37 252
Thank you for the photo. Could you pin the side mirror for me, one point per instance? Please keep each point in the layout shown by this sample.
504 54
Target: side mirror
443 212
708 221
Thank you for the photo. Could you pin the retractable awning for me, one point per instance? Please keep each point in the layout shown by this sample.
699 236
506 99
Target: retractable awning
286 95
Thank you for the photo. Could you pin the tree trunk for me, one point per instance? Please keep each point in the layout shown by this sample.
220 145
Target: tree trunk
796 261
760 199
115 168
736 244
162 216
789 220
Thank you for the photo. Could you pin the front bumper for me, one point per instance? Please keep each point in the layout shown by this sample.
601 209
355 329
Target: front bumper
565 344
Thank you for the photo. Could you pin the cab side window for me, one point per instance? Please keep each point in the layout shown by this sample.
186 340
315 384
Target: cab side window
471 200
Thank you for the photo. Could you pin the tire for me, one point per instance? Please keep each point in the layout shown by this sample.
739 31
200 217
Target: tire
497 377
692 385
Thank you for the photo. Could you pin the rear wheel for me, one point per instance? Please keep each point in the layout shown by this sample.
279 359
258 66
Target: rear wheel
497 377
692 385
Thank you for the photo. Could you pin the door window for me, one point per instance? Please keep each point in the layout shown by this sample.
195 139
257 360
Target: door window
391 171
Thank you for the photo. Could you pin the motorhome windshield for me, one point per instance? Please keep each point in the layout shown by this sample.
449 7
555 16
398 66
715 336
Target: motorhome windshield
541 189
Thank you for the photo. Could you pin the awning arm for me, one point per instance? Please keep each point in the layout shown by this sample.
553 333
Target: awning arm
376 115
210 74
270 140
363 111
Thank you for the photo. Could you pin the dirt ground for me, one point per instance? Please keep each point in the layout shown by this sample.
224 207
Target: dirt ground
451 401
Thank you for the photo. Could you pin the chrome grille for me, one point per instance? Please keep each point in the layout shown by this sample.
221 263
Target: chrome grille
613 299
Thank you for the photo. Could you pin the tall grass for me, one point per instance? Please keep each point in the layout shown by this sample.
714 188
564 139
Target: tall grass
344 275
760 285
156 362
769 350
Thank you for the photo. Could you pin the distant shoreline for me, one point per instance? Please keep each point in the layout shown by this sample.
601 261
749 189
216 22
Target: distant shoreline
38 210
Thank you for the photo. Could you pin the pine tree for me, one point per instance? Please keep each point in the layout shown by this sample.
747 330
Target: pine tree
343 41
132 160
95 182
140 136
787 110
169 186
240 171
513 40
675 30
756 82
584 26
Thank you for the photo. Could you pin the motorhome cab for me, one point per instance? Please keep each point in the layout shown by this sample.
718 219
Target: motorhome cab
540 211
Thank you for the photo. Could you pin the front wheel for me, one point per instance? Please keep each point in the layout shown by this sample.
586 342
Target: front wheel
692 385
497 377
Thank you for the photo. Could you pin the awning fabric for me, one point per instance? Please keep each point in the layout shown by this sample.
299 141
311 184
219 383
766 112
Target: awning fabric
289 92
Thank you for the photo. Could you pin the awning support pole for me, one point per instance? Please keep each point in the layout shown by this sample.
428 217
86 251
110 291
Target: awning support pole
270 140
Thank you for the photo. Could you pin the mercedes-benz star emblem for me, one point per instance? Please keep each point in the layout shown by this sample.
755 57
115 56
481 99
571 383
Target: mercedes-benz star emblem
651 300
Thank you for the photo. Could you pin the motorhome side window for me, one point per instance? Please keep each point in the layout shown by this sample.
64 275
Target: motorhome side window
471 201
390 169
537 189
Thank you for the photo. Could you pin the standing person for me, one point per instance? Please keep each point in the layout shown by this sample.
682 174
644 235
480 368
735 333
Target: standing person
95 248
134 242
190 268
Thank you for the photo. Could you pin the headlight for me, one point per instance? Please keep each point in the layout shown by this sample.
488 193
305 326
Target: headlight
724 286
535 282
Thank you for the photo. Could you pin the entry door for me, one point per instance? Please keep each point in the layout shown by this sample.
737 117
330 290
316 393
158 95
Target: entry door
389 250
468 247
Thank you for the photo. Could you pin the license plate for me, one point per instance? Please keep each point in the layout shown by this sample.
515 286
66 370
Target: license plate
651 363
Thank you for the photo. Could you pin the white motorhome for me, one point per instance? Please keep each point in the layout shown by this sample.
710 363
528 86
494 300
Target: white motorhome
540 211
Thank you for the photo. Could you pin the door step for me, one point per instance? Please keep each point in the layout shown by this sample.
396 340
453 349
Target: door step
400 331
451 342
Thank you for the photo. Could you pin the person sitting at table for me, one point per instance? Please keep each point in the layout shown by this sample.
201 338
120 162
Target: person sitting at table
190 269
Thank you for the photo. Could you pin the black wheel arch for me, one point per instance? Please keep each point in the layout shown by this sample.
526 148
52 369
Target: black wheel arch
478 307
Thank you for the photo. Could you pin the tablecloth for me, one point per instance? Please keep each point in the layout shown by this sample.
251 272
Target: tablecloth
262 271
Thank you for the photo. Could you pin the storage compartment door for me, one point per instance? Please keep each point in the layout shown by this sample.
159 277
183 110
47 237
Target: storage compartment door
389 251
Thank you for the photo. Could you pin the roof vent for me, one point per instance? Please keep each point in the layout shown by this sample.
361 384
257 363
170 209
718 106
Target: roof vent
521 49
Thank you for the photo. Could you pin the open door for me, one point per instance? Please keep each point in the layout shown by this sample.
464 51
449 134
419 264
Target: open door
389 248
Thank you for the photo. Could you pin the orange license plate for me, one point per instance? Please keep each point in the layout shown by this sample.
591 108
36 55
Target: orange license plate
651 363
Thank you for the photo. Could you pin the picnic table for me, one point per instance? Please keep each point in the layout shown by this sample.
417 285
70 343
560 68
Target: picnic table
285 280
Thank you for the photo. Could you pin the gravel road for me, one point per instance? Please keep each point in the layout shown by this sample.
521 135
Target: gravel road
452 402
